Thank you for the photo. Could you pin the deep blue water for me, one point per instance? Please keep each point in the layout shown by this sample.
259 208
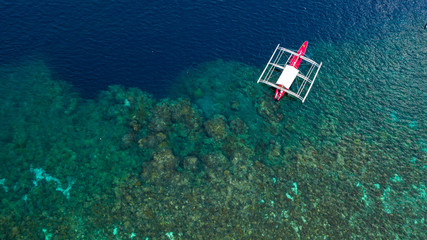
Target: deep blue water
93 44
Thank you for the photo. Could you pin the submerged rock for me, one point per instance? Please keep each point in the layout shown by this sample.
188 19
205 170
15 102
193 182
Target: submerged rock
128 140
190 163
164 160
183 112
237 126
217 127
235 105
215 160
268 110
152 141
161 119
198 93
135 124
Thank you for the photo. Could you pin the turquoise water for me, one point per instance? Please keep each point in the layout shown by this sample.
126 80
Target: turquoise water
219 159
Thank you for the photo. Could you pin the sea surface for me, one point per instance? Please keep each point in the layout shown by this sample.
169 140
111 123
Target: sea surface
144 120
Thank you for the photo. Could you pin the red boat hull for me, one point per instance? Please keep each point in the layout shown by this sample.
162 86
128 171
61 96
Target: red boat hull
295 62
279 94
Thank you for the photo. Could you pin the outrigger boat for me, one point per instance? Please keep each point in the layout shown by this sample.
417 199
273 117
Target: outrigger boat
290 73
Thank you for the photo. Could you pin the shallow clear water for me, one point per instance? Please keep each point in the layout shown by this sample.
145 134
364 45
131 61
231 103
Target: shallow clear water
218 159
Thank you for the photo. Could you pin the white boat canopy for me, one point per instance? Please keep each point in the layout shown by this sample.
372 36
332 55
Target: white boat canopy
295 82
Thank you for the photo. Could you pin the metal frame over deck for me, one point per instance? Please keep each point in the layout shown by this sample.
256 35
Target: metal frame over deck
298 83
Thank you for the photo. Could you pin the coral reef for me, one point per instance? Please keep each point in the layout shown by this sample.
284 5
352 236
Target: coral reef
221 160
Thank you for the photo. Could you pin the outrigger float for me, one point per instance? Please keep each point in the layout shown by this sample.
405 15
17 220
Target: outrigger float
294 76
